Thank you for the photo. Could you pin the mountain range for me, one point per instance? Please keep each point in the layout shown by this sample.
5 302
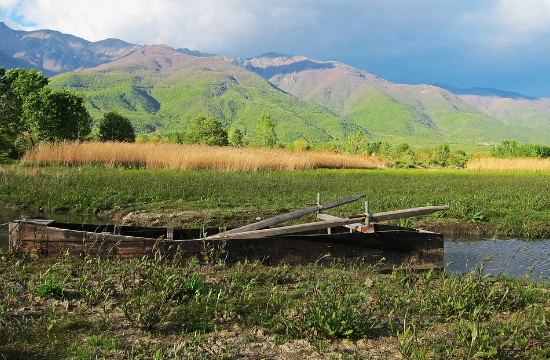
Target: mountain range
161 88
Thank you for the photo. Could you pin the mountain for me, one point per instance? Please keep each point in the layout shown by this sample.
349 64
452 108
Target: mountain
400 112
161 88
486 92
509 107
53 52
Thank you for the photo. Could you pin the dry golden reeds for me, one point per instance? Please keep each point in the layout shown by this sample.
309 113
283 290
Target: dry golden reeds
509 164
184 157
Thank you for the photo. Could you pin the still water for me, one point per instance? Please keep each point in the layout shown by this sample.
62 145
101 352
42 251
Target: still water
515 257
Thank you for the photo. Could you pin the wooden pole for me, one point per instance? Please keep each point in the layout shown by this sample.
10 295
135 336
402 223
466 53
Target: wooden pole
295 214
319 225
405 213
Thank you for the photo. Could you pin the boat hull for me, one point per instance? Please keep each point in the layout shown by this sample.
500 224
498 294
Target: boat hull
387 246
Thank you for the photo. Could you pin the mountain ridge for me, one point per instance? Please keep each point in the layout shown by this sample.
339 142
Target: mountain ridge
319 101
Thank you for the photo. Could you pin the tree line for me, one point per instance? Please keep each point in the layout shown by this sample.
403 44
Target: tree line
31 112
511 148
207 130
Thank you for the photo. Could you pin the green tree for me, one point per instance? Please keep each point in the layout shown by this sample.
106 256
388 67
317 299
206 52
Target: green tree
56 115
15 86
356 143
115 127
235 137
265 131
441 154
206 130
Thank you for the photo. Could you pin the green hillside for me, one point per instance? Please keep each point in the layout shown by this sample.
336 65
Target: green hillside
163 89
420 114
383 116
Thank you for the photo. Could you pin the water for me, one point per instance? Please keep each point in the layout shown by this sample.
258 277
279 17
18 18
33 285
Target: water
516 257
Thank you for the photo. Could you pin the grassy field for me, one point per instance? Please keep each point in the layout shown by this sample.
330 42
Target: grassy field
90 308
64 308
494 203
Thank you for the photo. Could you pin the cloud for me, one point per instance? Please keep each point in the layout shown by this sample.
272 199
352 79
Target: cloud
8 3
510 24
213 25
402 40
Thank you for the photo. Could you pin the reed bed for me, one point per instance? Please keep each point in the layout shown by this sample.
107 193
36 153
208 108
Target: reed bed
186 157
509 164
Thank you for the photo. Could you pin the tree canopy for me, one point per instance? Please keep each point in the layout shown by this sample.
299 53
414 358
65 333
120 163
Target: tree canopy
115 127
265 131
30 112
56 115
206 130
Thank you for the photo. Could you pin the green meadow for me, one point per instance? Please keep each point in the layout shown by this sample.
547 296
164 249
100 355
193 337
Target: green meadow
515 204
92 308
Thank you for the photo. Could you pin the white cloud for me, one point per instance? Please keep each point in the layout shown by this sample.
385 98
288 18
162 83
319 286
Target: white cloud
207 25
8 3
510 24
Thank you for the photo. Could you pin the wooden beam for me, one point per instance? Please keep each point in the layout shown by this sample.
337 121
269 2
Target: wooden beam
294 215
319 225
388 215
327 217
405 213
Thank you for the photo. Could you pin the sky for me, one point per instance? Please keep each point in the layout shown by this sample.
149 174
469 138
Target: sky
500 44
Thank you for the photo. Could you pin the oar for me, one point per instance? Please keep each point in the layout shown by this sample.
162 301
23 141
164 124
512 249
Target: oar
295 214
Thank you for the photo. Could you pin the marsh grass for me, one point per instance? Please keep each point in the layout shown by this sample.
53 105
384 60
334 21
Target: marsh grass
185 157
509 164
173 310
511 204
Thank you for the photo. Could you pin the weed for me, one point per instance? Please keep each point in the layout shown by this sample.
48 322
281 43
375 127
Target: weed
337 310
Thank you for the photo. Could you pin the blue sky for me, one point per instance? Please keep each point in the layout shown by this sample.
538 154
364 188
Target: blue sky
501 44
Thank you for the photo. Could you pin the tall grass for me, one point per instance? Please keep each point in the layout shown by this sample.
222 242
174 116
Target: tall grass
185 157
509 164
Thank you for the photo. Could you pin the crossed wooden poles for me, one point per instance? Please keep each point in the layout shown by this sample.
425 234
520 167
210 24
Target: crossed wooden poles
360 222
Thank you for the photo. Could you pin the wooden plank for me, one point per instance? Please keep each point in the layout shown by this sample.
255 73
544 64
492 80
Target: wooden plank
14 240
319 225
405 213
328 217
389 215
295 214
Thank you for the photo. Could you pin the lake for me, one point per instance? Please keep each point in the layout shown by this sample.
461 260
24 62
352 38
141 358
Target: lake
513 256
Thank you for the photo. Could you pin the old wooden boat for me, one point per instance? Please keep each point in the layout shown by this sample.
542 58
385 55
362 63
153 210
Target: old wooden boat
331 238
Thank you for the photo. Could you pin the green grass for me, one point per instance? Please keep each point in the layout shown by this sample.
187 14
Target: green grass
507 203
164 309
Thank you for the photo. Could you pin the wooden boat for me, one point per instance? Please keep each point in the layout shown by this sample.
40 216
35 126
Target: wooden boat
321 241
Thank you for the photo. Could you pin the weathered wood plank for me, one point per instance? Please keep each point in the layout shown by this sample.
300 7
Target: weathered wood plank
390 246
328 217
283 230
405 213
295 214
13 236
